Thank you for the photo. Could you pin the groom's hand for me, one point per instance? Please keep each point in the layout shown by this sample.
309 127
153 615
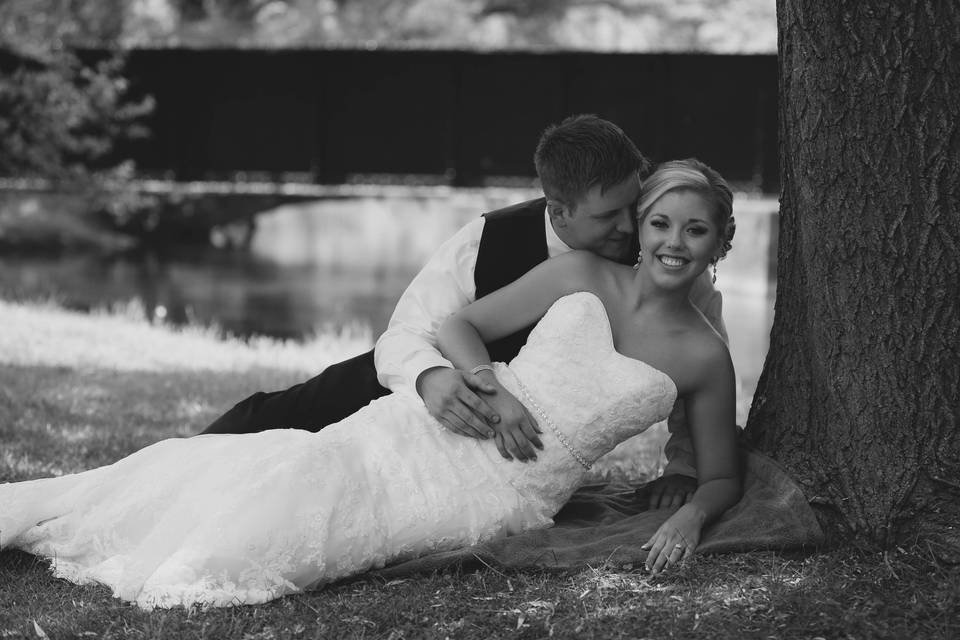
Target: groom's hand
451 396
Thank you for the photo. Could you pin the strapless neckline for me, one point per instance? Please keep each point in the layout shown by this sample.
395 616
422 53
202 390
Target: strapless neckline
609 335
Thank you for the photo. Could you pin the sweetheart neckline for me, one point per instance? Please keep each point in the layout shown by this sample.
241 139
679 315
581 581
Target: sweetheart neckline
609 334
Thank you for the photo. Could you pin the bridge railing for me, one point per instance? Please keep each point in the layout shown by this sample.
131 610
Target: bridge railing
440 117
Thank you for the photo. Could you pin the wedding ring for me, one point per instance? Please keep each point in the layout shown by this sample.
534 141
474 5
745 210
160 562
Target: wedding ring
678 546
482 367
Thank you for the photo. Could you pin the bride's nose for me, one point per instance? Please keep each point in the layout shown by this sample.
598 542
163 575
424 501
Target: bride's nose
675 241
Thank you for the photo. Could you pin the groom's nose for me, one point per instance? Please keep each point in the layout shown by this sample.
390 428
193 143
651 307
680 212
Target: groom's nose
625 220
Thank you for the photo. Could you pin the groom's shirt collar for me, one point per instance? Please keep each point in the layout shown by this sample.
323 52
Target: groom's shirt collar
555 246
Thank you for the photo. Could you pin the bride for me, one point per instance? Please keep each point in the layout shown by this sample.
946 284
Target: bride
222 520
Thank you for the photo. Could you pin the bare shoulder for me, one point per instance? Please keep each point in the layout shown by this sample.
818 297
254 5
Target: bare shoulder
708 352
710 346
583 270
579 259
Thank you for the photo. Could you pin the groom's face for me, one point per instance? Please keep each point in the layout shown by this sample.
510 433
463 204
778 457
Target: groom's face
602 223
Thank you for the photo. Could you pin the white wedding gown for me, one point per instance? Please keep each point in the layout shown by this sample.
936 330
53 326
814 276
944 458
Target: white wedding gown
240 519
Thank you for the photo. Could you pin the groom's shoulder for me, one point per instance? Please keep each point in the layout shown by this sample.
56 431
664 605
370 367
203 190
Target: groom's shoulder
530 208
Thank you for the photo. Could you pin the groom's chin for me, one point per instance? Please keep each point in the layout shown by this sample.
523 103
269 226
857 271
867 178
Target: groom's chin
619 253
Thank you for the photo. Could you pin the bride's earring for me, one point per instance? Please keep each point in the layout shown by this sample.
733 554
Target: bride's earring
715 261
639 260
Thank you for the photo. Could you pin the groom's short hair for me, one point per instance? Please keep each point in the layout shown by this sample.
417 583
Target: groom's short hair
584 151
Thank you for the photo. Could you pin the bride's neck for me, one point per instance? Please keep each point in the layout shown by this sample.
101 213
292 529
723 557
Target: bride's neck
652 296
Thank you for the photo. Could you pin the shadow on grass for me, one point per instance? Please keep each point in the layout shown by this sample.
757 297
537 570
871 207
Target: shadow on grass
840 594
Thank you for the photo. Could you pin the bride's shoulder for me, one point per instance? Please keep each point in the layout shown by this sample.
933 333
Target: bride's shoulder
582 269
698 359
580 259
701 344
705 350
709 346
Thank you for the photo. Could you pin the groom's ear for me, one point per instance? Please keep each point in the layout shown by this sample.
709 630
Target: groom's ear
557 211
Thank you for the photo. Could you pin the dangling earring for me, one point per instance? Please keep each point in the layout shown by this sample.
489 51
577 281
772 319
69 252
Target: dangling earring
715 261
639 260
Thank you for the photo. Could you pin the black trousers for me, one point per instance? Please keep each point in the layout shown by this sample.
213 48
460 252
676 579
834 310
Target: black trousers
340 390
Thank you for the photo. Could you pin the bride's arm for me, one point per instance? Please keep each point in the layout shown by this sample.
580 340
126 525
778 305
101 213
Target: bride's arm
518 305
711 413
461 338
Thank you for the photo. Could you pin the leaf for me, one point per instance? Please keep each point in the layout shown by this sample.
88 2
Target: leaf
39 631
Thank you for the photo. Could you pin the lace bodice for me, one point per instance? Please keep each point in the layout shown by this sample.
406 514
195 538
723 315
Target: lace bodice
240 519
595 396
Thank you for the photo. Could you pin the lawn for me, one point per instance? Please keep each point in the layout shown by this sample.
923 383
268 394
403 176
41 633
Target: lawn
78 391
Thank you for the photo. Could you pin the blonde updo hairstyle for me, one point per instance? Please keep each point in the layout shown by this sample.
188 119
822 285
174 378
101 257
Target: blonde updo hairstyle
695 176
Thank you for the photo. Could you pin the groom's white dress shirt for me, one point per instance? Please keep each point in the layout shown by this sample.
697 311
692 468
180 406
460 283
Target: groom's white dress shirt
445 285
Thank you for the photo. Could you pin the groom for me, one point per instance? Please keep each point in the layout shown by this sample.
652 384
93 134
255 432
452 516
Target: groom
590 172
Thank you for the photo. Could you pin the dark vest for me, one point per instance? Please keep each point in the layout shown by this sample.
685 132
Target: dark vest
512 243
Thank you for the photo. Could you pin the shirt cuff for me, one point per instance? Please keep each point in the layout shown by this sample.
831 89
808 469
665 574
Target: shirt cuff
419 363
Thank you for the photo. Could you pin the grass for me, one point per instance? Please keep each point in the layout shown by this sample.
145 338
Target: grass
78 391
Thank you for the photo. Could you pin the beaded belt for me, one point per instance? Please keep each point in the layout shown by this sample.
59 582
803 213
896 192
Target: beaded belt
563 440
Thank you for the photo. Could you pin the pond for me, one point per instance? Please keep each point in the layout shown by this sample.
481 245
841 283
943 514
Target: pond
343 262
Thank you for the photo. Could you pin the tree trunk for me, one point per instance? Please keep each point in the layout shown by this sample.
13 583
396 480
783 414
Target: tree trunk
859 394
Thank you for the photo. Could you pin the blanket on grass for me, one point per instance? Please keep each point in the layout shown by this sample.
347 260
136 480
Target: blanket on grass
608 523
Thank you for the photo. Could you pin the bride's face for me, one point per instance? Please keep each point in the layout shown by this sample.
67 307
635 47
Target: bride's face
679 237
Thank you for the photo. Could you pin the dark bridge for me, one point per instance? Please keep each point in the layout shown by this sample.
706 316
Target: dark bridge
441 117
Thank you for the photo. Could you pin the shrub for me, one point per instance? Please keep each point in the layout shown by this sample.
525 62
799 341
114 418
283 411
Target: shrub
62 113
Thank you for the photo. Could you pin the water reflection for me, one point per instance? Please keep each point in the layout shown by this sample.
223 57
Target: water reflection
341 262
243 294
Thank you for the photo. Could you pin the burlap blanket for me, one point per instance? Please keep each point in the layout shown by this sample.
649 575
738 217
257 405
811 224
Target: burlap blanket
608 524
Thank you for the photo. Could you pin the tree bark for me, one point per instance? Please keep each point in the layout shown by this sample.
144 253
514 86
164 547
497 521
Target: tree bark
859 394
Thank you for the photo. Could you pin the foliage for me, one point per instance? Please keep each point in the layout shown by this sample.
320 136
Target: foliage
61 115
720 26
65 117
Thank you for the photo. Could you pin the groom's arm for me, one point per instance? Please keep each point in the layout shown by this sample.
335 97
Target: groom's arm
406 355
444 286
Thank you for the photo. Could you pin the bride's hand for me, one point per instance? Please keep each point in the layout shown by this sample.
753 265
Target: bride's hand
517 431
675 540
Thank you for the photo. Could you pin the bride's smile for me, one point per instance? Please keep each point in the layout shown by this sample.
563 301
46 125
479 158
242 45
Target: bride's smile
680 234
672 262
